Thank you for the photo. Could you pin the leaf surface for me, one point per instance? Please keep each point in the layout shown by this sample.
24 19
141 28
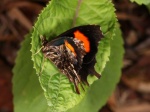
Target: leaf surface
27 92
56 18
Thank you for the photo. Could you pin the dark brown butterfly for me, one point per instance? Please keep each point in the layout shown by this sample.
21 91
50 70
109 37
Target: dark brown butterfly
73 52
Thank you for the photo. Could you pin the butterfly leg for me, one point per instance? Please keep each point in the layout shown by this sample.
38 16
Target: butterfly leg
76 85
93 72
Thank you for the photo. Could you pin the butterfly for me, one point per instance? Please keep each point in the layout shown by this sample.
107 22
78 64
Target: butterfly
73 52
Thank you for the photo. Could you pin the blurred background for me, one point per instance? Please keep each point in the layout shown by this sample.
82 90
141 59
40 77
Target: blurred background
132 93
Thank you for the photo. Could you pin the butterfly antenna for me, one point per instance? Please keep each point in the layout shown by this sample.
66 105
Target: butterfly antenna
38 50
42 67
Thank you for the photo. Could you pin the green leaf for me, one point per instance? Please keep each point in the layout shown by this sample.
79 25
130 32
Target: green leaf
140 2
101 89
28 95
57 17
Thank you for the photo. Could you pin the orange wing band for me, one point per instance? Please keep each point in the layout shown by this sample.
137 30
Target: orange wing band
84 39
70 47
